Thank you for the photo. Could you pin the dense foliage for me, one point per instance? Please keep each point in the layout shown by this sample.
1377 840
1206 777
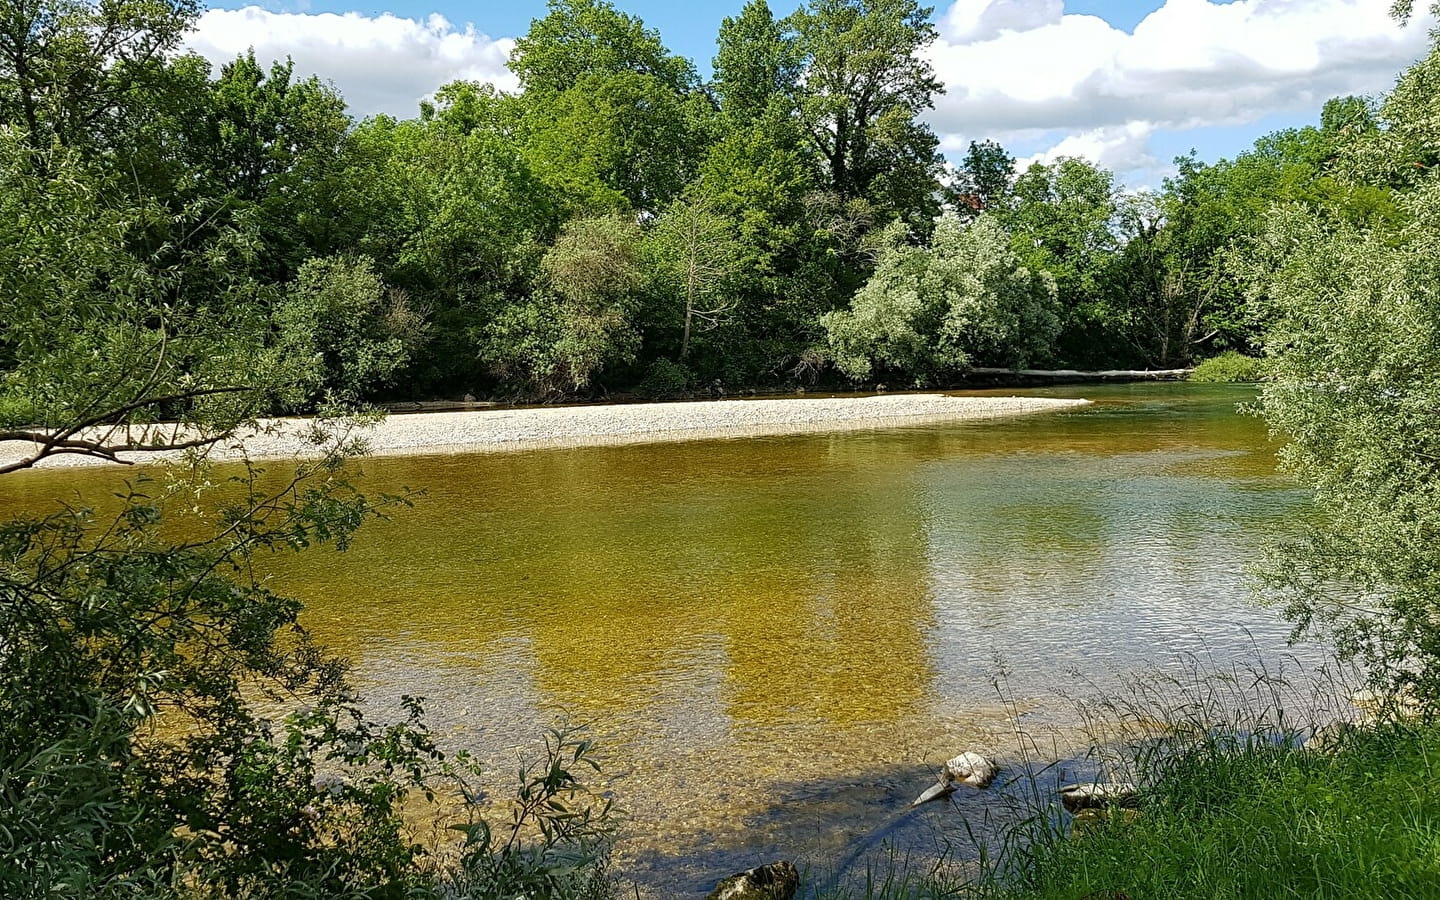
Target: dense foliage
1355 388
737 220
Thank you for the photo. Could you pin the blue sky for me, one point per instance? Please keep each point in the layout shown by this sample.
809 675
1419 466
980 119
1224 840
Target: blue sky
1129 84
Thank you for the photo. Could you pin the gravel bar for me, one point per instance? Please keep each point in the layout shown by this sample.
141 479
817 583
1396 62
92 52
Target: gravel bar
572 426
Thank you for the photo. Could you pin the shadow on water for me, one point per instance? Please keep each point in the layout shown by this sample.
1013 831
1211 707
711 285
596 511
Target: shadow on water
856 826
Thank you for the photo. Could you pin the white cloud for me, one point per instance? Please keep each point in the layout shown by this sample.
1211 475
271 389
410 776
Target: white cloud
1016 66
380 63
1120 148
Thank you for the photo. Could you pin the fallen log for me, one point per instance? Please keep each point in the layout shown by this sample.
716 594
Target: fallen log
1056 375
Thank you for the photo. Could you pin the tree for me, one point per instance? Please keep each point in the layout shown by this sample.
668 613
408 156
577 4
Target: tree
695 255
982 181
111 622
339 314
92 337
1060 217
1354 362
70 70
1354 366
616 142
613 121
1214 213
561 336
273 143
454 216
1157 300
930 313
755 65
863 84
579 38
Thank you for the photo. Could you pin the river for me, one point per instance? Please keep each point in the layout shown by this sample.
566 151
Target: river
777 640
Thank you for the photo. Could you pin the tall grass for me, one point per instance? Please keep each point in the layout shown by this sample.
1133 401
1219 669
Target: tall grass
1250 817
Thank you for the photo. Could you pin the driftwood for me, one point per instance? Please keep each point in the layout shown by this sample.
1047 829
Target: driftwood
1076 375
404 406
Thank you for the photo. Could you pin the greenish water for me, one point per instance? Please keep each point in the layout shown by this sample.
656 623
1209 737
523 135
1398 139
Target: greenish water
778 639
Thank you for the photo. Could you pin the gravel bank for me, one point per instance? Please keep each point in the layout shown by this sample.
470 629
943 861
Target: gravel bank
569 426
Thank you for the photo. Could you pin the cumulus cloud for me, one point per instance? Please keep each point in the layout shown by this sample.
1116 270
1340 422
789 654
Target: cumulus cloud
1121 148
382 64
1014 67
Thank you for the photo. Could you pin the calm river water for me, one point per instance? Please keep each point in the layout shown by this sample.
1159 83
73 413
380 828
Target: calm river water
779 639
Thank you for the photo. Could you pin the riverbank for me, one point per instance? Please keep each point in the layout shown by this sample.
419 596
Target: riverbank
569 426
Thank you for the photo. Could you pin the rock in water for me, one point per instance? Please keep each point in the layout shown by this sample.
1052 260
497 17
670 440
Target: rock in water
777 881
1099 794
968 768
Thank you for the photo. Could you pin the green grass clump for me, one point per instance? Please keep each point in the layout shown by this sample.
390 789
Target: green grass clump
1238 819
1229 367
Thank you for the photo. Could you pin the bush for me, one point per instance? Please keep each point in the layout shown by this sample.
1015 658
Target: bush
556 843
351 332
1229 367
664 378
931 312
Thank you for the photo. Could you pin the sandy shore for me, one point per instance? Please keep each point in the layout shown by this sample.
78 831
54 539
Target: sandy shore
569 426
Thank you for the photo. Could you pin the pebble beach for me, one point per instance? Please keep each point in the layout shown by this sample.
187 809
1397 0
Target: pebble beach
495 430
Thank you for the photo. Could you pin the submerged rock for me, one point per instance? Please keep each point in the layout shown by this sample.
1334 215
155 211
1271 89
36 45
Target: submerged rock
777 881
1099 794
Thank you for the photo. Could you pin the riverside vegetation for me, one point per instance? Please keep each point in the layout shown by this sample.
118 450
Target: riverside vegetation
181 245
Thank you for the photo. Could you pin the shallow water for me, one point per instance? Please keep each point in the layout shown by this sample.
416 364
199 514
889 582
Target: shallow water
778 639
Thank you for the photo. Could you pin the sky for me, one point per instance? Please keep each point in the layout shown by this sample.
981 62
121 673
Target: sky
1127 84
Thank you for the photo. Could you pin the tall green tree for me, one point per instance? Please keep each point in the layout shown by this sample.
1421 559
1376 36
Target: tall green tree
578 38
612 119
982 181
756 64
72 71
271 143
1060 217
863 86
614 142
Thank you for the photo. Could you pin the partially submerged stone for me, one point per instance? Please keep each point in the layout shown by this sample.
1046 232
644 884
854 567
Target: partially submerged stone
777 881
969 768
1099 794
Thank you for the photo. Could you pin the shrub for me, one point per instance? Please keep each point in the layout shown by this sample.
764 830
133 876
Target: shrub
664 378
556 843
930 312
353 334
1229 367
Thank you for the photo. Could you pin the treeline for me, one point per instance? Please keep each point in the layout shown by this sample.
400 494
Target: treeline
619 224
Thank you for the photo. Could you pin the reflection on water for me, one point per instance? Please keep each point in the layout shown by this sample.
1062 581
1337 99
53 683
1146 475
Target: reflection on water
778 638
